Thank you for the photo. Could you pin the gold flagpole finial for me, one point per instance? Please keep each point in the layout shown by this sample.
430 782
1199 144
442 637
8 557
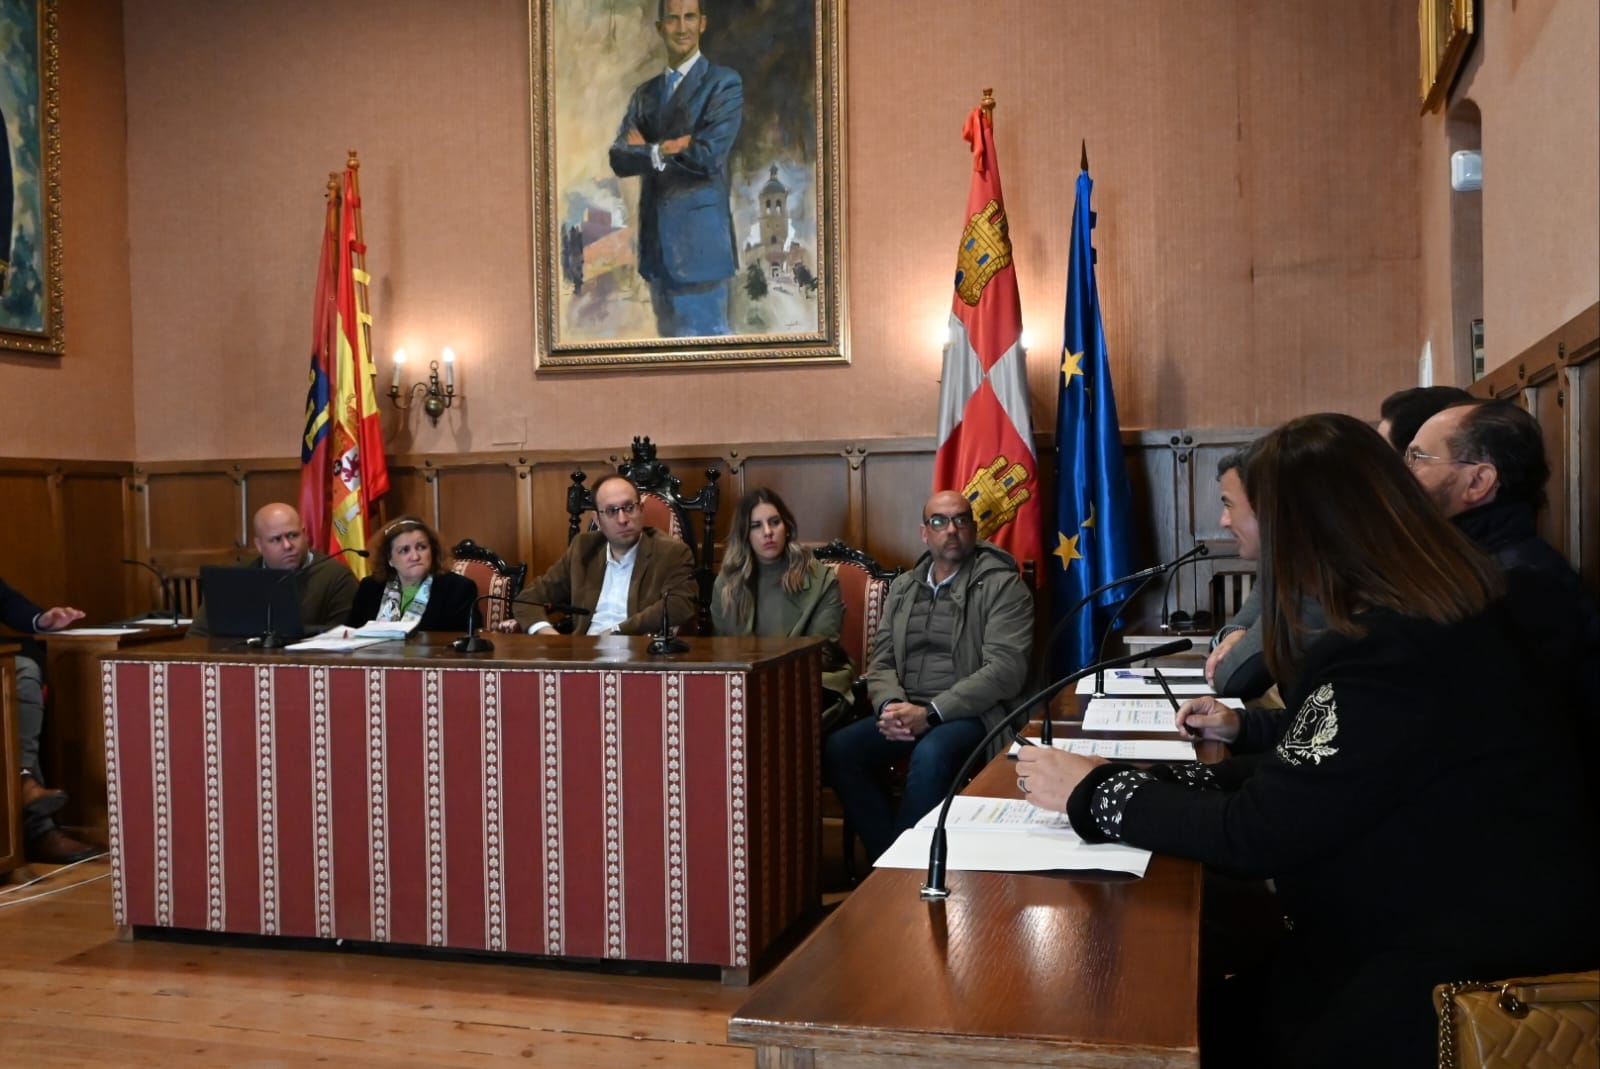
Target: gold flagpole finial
988 102
352 162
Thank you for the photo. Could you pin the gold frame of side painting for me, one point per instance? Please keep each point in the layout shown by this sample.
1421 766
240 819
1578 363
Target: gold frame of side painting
1445 29
30 180
636 264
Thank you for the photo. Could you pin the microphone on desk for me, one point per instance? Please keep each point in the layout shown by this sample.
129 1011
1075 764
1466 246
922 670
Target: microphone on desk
270 639
161 578
666 642
1200 549
939 848
472 642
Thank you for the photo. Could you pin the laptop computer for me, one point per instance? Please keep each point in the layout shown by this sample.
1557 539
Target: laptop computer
238 601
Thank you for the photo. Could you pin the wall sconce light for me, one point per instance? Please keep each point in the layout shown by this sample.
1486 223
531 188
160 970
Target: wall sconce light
436 400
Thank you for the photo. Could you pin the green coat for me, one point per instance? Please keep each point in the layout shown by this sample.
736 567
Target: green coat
993 636
821 610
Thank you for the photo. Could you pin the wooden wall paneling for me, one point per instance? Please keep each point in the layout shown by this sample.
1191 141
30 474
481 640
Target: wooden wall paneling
480 503
1546 400
92 512
267 485
816 488
198 508
412 492
32 541
895 486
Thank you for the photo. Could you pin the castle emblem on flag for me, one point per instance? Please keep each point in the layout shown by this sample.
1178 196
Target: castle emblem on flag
985 249
995 497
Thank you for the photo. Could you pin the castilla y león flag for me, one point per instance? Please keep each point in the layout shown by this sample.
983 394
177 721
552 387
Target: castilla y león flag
985 429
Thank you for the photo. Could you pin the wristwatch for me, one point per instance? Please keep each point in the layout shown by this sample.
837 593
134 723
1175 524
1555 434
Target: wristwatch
934 719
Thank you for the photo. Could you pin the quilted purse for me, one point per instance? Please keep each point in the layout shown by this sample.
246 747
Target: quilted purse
1536 1022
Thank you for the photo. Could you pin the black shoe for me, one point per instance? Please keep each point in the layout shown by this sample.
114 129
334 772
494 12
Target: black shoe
56 847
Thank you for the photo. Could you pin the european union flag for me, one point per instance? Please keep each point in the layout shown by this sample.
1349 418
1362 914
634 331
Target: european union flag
1090 544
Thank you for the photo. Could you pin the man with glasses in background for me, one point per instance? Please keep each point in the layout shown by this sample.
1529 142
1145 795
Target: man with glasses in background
951 648
623 576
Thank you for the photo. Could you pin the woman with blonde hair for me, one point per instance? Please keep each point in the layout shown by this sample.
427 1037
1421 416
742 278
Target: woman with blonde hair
771 585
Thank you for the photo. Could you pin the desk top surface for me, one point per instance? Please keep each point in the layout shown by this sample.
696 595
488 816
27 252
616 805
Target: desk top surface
432 649
1012 967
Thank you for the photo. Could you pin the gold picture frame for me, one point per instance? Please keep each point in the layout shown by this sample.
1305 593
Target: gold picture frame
620 234
1446 28
30 180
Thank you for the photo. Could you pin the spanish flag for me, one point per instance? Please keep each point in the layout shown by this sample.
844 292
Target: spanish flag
985 426
343 470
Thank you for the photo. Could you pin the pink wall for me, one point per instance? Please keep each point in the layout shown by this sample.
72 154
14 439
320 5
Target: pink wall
1535 76
81 404
1256 172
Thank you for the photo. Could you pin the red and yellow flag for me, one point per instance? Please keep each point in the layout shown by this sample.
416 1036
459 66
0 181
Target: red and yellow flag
352 467
985 425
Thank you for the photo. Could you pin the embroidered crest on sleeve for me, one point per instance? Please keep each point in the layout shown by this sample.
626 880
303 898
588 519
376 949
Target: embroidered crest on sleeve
1313 730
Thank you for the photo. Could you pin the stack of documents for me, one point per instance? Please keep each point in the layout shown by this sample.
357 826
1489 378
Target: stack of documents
1185 682
1136 714
1124 749
1009 835
344 639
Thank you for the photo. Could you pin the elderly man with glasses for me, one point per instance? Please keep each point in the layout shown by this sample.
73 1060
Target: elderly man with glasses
624 576
951 648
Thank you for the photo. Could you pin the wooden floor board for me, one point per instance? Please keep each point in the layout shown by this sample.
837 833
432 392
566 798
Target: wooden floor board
71 994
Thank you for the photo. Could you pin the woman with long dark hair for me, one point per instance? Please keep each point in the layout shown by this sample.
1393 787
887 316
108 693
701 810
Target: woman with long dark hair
1423 813
771 585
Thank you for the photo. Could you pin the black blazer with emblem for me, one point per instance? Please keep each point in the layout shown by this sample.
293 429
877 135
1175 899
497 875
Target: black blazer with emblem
1426 817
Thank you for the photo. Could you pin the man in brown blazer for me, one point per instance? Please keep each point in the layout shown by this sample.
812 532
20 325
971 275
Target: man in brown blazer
621 574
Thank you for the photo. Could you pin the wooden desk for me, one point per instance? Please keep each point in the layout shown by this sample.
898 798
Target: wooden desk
549 798
1012 969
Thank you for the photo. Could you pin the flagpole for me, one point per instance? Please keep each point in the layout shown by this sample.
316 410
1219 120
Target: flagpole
358 259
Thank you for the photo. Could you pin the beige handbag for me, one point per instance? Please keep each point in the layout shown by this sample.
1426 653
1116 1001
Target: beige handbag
1537 1022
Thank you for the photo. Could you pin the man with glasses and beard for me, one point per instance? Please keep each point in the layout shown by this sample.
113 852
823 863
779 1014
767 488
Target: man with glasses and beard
621 574
952 647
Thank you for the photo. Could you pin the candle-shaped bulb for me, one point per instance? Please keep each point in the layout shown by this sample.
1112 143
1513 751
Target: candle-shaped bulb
399 366
450 368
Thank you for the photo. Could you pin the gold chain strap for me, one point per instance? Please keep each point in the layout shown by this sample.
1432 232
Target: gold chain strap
1447 1013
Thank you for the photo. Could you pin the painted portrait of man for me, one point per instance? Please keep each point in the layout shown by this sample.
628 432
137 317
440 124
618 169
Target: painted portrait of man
683 171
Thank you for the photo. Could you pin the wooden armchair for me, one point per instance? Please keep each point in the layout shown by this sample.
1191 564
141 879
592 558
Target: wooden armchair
665 508
493 575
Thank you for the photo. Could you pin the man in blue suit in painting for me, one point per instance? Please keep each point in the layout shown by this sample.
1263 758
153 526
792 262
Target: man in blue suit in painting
676 137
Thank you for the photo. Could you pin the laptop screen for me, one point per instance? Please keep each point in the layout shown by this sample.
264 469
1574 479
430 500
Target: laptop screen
242 602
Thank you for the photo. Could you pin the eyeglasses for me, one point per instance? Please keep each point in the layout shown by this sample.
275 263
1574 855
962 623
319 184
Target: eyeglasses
1415 456
613 511
939 521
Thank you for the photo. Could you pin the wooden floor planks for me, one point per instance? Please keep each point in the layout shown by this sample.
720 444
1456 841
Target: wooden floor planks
71 994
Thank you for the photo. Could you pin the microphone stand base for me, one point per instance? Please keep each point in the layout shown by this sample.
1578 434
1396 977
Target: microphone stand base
271 641
472 644
666 644
930 893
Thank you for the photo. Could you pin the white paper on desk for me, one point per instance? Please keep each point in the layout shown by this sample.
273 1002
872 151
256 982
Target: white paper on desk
1124 749
1009 835
1136 714
1185 681
163 621
97 631
344 639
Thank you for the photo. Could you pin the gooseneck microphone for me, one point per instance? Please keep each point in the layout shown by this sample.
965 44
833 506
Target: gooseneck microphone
472 642
666 642
270 639
1200 549
161 578
939 848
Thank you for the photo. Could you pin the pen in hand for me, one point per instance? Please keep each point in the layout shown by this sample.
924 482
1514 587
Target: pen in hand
1173 698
